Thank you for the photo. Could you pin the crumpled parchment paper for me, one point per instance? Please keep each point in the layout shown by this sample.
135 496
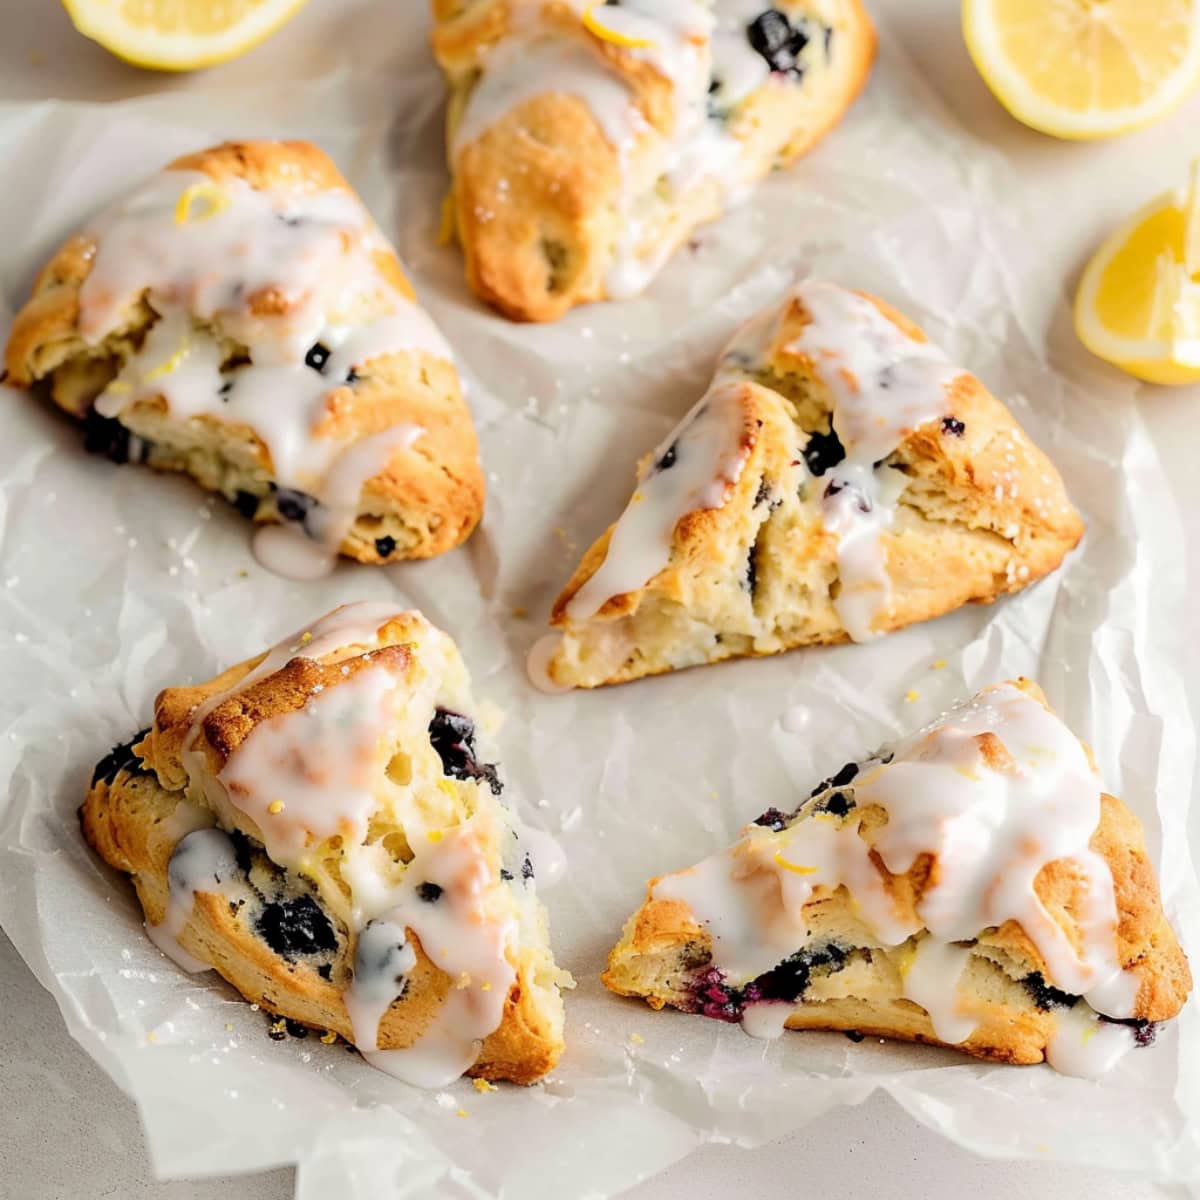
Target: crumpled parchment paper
114 583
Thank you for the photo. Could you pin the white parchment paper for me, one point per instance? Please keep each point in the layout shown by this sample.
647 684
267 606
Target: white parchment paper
115 583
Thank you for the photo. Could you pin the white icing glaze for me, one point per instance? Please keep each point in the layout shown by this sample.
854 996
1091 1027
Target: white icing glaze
203 861
1085 1046
991 831
319 765
537 663
883 385
767 1020
316 251
463 932
708 458
383 959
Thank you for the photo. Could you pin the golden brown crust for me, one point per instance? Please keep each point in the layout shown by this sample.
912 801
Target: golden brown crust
983 514
135 819
537 196
427 501
663 945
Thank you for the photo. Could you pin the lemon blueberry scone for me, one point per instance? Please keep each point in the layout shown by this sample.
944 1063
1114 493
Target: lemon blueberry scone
586 140
240 317
840 479
972 887
318 825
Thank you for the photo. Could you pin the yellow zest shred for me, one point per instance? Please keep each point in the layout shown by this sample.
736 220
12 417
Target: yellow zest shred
329 1037
791 866
446 227
482 1085
593 24
444 785
434 835
171 364
212 199
910 696
275 807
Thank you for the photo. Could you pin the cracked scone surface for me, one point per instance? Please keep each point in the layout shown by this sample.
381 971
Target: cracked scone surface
839 480
239 317
971 887
586 142
320 826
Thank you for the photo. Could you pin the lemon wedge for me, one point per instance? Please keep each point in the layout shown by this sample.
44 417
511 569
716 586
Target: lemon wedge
1138 305
595 23
1085 68
179 35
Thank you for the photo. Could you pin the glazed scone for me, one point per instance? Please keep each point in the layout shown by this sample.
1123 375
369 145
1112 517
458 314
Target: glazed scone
240 317
972 887
840 479
318 824
587 141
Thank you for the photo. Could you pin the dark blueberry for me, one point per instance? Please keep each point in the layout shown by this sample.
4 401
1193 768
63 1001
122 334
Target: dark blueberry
506 874
295 1028
246 503
453 737
764 492
325 970
773 819
788 980
853 1035
824 450
750 583
296 926
384 546
317 356
839 778
953 425
106 436
712 998
774 39
120 758
1144 1032
224 390
292 505
527 867
828 39
244 850
429 892
277 1033
837 803
1045 996
667 461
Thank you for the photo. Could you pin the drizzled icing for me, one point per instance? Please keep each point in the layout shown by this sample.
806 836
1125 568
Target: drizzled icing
460 934
883 385
203 861
676 38
205 253
312 774
991 829
693 468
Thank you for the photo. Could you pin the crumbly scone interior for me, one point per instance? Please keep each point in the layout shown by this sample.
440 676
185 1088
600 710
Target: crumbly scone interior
343 777
241 318
587 141
971 887
839 479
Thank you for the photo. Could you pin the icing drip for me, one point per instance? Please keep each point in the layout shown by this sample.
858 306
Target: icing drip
287 275
537 664
991 829
1085 1046
692 469
883 385
203 861
447 901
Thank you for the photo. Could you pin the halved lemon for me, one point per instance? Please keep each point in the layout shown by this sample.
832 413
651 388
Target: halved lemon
1085 68
1138 305
179 35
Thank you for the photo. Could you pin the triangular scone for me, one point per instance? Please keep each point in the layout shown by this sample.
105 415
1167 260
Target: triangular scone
240 317
973 887
318 824
840 479
587 141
